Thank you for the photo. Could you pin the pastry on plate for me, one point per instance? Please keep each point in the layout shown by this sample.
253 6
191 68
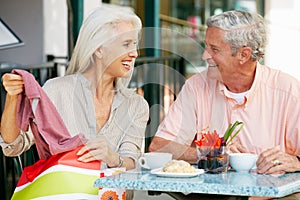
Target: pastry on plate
178 166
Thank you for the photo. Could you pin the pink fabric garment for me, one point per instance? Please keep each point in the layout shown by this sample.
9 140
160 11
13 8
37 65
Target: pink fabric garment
50 133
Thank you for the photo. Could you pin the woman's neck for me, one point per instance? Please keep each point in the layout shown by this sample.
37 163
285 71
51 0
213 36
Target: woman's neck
102 85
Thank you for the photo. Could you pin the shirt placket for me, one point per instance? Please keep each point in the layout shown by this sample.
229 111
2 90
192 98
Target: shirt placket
235 111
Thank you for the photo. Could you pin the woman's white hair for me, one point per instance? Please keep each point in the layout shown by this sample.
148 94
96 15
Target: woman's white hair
97 29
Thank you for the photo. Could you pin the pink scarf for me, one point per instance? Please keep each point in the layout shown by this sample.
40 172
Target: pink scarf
50 133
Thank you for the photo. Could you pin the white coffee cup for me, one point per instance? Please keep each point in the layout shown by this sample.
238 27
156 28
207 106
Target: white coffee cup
153 160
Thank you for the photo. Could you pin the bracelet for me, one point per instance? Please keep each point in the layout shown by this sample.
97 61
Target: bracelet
121 161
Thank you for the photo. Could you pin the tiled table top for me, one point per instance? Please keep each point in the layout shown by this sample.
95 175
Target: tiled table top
230 183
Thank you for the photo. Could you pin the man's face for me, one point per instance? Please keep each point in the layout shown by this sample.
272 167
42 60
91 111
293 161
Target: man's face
218 55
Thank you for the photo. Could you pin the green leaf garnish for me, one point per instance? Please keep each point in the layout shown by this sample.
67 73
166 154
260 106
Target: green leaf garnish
230 130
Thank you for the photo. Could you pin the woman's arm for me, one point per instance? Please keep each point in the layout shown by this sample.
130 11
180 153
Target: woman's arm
98 149
13 140
13 84
131 145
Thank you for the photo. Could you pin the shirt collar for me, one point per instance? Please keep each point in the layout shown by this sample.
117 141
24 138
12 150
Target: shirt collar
252 90
118 98
256 82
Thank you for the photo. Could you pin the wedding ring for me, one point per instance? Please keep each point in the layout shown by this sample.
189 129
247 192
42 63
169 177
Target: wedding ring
276 162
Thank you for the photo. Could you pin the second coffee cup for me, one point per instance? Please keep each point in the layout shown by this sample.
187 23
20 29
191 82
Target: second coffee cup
153 160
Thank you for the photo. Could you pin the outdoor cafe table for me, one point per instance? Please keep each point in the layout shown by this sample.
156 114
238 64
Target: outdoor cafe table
230 183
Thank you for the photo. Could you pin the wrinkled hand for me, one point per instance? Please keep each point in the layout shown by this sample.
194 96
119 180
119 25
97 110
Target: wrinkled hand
13 84
97 149
235 146
274 161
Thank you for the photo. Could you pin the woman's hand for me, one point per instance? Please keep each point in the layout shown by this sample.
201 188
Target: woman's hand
98 149
274 161
13 84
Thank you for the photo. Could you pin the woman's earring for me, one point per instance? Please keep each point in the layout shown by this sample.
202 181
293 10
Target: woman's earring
98 54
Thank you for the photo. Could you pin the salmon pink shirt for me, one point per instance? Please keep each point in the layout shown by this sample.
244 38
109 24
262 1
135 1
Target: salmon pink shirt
270 111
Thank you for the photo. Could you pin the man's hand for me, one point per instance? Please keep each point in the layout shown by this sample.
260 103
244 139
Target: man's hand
235 146
274 161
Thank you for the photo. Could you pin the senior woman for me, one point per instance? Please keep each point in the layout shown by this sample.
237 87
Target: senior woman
93 97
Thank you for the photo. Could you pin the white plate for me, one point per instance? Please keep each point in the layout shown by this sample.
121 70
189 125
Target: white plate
159 172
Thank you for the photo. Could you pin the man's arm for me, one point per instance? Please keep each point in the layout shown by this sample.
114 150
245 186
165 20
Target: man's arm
179 151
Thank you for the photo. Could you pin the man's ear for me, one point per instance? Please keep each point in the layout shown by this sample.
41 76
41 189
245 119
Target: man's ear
245 54
99 53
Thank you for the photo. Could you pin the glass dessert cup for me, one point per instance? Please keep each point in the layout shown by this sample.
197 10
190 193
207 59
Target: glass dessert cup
213 160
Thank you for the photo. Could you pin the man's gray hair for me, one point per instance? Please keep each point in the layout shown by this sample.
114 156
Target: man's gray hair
243 29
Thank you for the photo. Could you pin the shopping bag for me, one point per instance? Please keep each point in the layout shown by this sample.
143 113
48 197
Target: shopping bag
61 176
111 193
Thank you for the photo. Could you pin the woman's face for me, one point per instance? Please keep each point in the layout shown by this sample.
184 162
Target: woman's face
120 54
